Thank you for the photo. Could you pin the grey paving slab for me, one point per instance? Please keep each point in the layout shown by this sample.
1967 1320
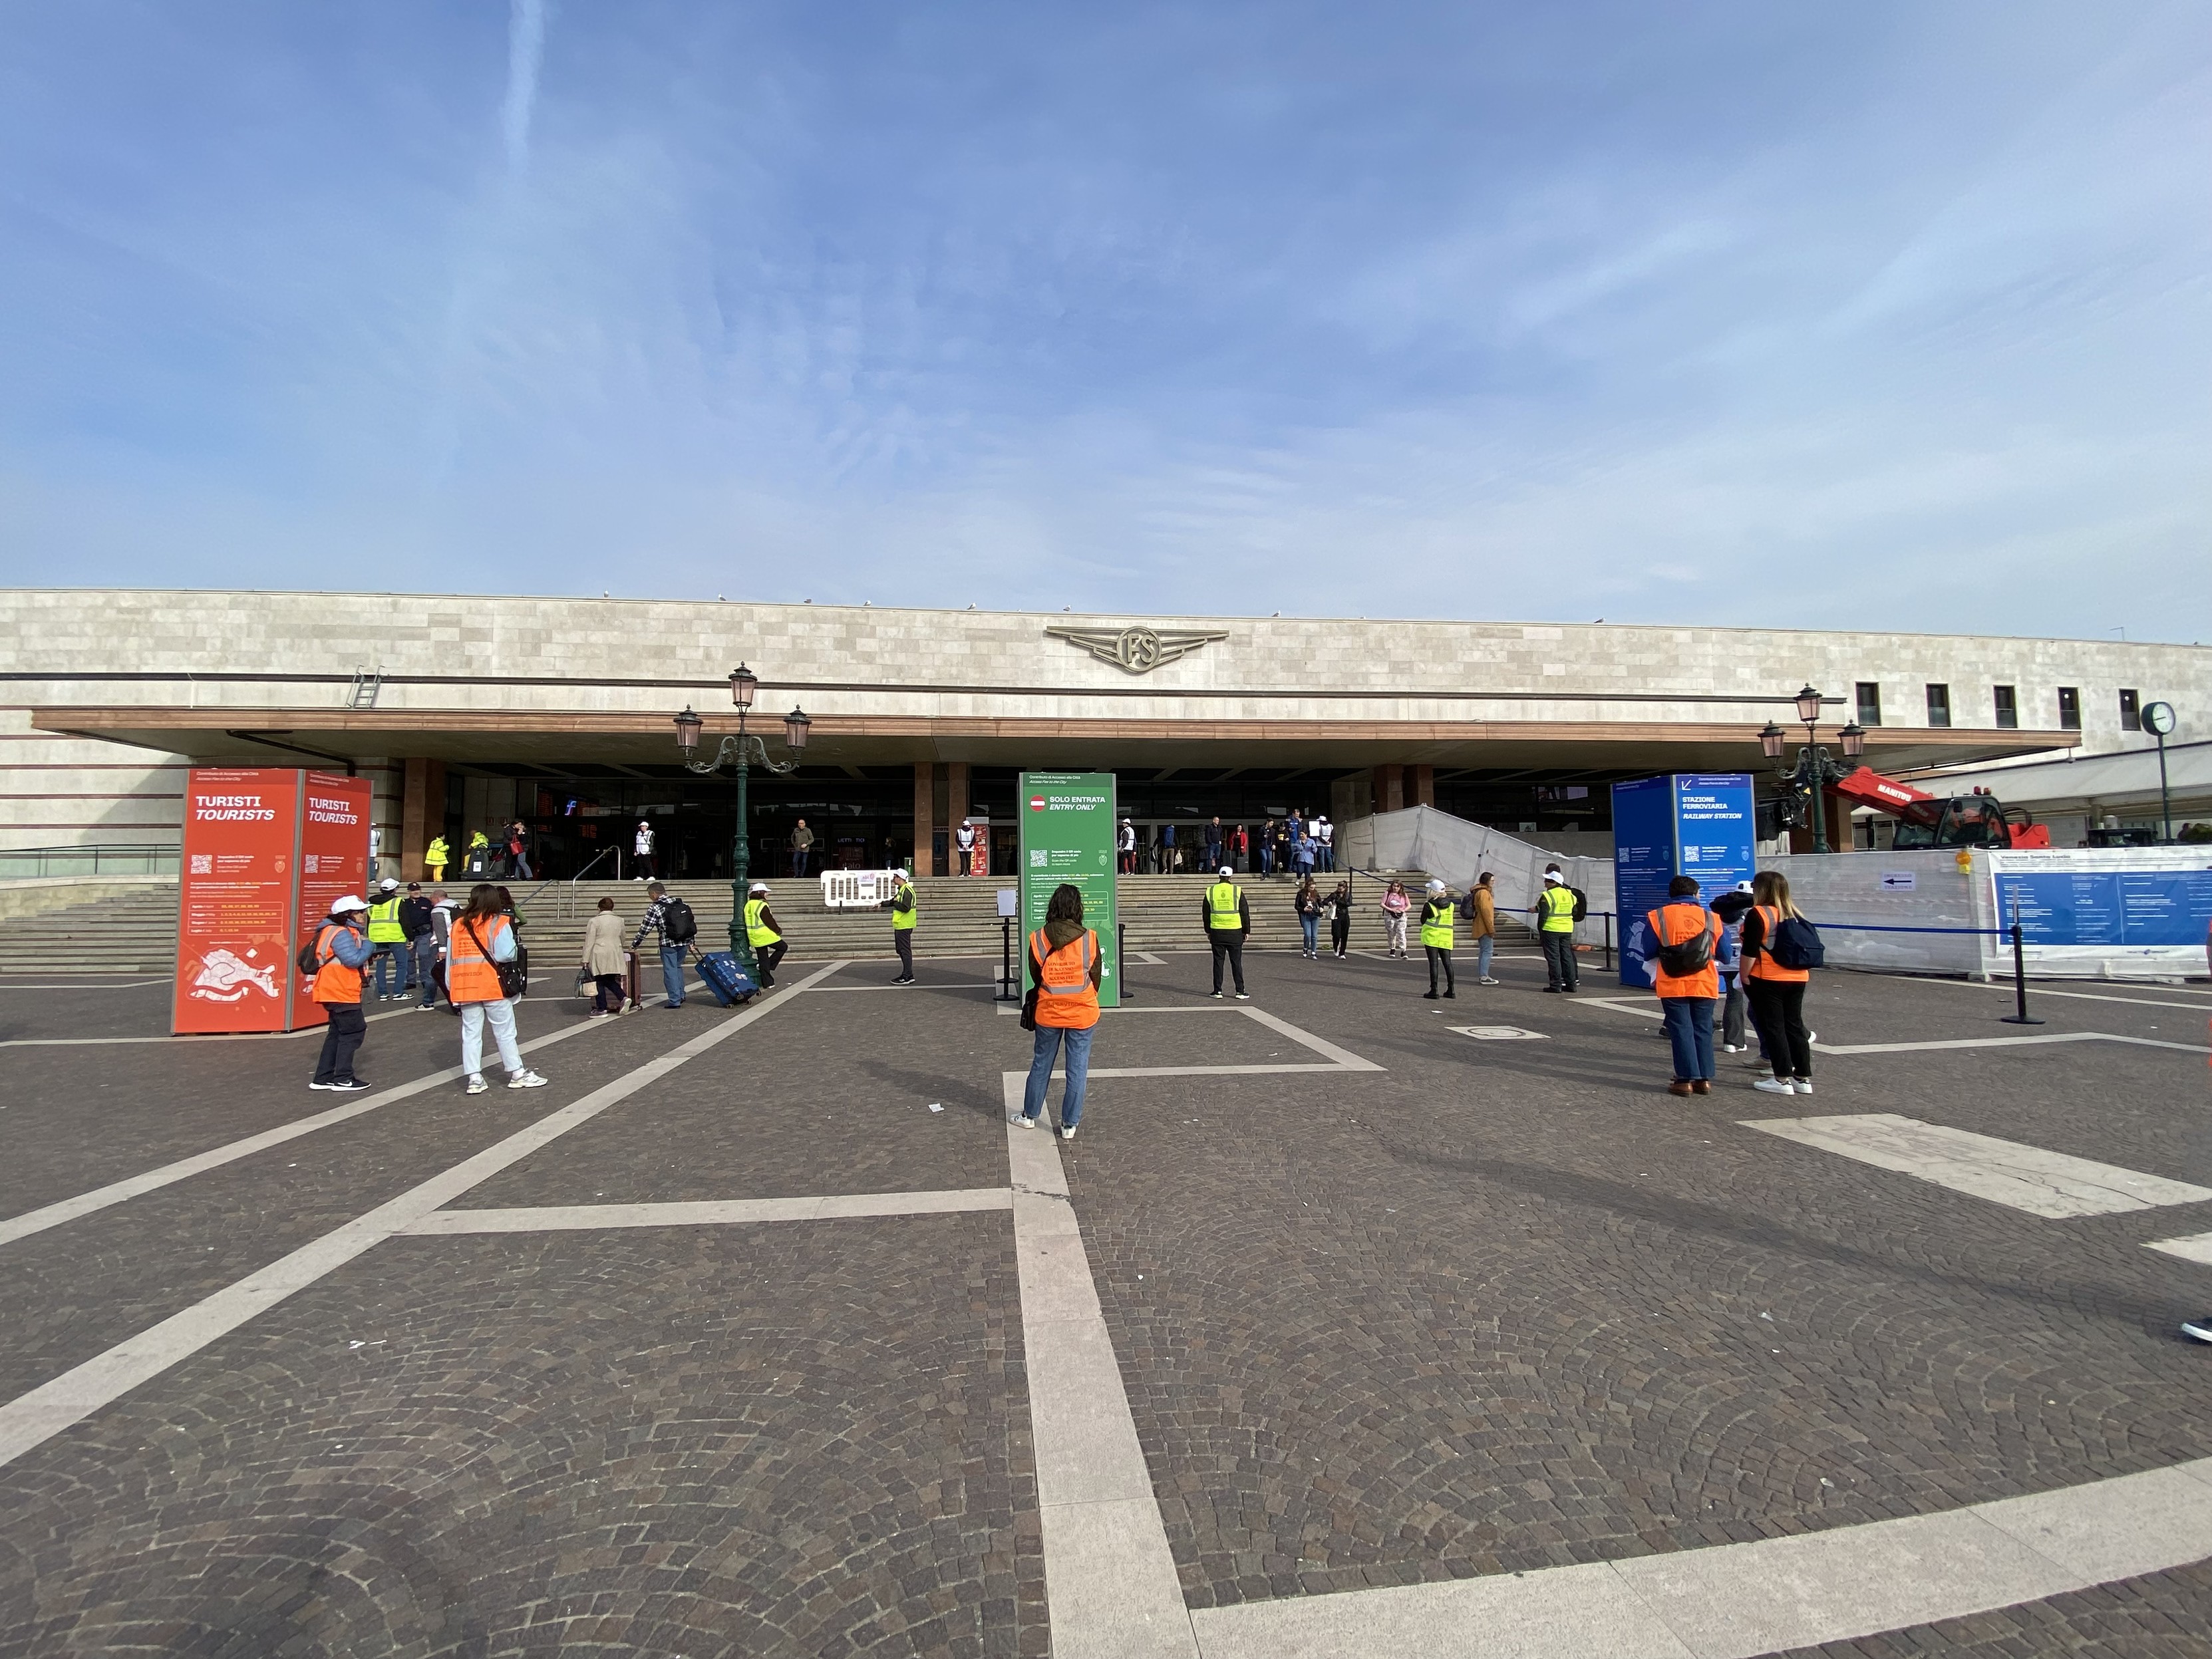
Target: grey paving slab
1494 1311
731 1441
69 1292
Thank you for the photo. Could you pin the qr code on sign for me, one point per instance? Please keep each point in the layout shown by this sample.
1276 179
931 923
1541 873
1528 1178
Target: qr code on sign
203 864
1036 858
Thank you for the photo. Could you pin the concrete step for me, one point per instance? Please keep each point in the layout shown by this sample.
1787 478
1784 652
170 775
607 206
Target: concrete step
137 933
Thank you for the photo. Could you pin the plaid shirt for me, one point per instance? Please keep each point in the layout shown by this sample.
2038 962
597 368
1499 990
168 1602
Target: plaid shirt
655 916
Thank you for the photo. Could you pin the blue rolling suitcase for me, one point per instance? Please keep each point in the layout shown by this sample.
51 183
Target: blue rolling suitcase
727 982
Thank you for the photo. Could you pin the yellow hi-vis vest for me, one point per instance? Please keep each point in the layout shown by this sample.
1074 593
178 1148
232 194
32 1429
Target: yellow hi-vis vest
1224 907
1556 907
756 931
384 926
436 853
903 921
1437 921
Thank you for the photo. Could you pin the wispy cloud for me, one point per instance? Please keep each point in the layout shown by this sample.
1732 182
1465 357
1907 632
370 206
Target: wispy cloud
1890 318
525 51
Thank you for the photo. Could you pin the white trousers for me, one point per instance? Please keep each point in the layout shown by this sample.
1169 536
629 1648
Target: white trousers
501 1015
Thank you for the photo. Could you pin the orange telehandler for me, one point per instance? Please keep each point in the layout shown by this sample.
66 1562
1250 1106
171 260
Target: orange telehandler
1925 820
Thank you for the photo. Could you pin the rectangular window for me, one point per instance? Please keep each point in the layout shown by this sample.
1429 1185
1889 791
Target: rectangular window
2008 709
2131 711
1869 703
1939 705
2069 708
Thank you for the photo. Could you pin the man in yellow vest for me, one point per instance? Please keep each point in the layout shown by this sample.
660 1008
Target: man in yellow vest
435 857
904 914
1555 931
1437 915
766 938
387 935
1228 923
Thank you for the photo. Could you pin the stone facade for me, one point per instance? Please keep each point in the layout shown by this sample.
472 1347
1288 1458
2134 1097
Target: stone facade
228 659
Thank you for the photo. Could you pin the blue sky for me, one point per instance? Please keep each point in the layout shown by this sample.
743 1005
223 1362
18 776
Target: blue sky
1887 315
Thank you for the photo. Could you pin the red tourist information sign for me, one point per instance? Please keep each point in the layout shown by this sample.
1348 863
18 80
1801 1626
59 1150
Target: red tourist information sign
266 849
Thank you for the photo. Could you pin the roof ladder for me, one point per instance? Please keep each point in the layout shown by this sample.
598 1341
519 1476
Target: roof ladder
367 683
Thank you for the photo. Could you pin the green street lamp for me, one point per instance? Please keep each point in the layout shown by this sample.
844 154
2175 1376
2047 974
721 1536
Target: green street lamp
1815 769
746 750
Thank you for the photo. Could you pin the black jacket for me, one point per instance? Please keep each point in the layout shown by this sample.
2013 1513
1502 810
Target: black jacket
414 917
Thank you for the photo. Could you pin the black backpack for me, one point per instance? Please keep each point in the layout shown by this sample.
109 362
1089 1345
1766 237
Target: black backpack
307 961
1692 956
1582 902
1797 943
677 925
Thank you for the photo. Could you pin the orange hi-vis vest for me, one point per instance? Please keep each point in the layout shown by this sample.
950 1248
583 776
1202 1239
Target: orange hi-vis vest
1764 966
471 975
334 981
1066 997
1678 924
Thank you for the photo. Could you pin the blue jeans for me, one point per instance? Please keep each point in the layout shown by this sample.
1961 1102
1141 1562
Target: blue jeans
1267 860
395 968
1690 1034
426 968
1482 949
672 973
1310 926
1048 1040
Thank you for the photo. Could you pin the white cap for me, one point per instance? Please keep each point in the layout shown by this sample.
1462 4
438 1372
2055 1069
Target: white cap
1743 887
1435 887
760 887
339 907
1226 872
390 885
1554 875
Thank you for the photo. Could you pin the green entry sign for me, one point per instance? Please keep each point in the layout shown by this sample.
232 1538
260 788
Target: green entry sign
1068 836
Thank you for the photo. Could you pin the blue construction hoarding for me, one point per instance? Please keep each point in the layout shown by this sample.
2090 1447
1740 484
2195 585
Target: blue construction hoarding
1685 823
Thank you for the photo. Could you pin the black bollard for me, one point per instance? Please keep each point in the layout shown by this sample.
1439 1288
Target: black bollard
1121 959
2018 977
1006 992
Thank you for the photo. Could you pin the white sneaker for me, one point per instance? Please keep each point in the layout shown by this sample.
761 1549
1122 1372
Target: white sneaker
1241 997
1803 1085
477 1085
1067 1132
1773 1086
1734 1048
526 1080
1020 1121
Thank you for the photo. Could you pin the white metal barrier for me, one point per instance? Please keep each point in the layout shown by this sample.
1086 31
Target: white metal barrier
852 889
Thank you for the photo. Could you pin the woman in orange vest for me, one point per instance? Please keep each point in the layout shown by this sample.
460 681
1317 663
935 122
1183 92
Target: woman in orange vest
1065 968
341 948
483 937
1777 993
1687 997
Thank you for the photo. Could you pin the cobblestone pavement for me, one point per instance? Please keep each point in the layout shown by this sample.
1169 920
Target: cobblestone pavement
1499 1306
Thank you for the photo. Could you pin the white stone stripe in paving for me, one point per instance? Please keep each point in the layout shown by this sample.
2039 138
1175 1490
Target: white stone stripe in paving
1737 1601
197 1038
710 1212
2045 1183
1109 1577
117 1192
46 1410
2197 1247
1647 1008
2003 1043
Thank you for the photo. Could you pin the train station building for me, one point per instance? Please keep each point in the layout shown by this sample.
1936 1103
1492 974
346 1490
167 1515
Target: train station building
467 712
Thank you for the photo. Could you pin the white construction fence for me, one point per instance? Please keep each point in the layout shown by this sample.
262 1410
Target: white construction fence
2088 913
1456 851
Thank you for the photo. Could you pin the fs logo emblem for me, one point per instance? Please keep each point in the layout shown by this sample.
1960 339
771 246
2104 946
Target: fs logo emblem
1137 650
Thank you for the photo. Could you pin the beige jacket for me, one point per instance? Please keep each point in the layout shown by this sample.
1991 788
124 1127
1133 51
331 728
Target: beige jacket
603 944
